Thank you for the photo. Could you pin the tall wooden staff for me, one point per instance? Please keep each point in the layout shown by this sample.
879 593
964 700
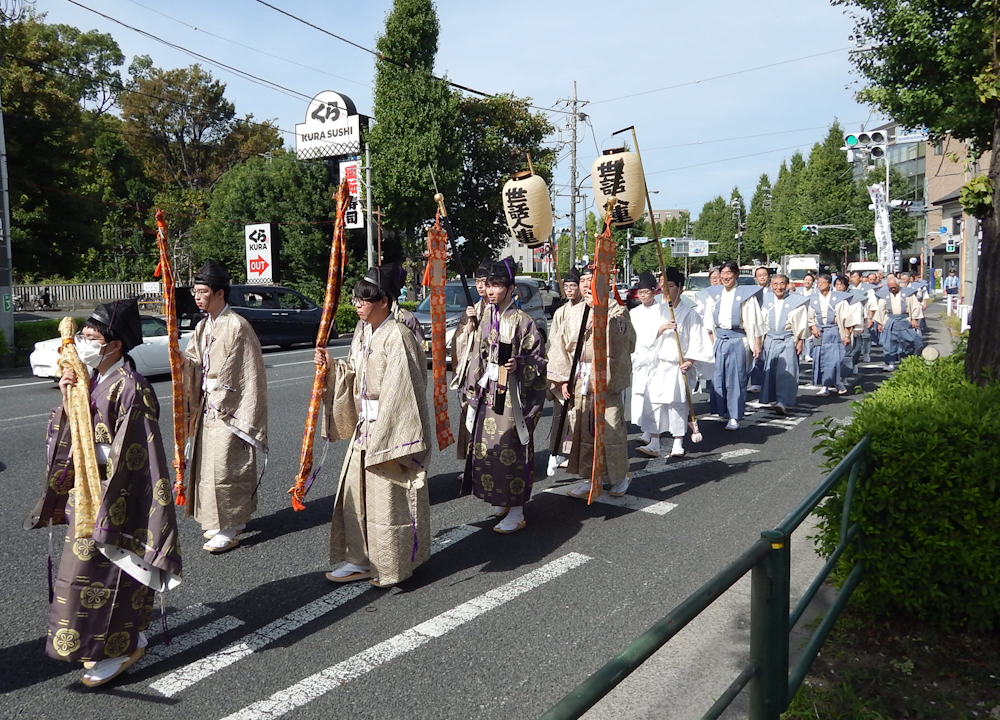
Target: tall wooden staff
696 435
166 271
334 283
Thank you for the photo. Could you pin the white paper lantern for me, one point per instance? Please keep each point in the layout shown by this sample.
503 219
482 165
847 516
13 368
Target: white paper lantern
630 192
528 209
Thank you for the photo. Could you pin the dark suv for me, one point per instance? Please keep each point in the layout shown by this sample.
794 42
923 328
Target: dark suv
279 315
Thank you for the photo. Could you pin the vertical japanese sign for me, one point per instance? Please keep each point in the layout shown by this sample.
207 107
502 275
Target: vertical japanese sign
350 170
260 267
883 228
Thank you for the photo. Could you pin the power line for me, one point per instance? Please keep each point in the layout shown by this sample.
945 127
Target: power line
247 47
387 59
242 73
717 77
741 137
738 157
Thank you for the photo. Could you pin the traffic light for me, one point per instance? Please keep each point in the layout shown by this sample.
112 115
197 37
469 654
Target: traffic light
874 142
814 229
901 203
950 246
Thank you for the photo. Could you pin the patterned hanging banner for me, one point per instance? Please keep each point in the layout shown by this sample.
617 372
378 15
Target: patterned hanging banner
604 257
437 272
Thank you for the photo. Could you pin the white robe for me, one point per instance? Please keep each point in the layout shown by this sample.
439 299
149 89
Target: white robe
659 397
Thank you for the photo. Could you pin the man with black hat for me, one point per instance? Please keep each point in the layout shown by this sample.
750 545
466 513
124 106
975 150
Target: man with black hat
377 401
111 567
659 395
571 288
505 392
226 394
461 355
395 275
577 441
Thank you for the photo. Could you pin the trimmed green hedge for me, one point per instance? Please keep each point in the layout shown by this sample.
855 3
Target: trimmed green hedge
929 499
26 334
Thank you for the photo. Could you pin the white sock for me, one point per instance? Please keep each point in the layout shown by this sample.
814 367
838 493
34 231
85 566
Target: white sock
143 642
678 444
654 443
349 569
514 518
582 489
497 509
105 668
230 533
645 437
621 486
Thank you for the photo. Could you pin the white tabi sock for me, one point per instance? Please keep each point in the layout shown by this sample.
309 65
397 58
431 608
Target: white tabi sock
678 448
514 518
645 438
350 569
654 444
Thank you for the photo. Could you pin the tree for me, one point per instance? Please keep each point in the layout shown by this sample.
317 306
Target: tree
783 234
937 65
293 194
715 223
418 119
50 73
185 131
758 220
496 133
827 191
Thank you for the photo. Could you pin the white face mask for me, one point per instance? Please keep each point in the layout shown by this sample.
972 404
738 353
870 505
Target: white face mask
89 352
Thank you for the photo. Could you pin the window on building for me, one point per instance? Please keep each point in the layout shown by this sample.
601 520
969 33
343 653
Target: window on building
956 225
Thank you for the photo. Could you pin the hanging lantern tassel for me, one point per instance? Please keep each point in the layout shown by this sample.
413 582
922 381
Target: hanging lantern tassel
629 191
528 209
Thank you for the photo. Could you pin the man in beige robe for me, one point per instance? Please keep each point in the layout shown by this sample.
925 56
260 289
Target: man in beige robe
577 443
225 389
377 401
571 289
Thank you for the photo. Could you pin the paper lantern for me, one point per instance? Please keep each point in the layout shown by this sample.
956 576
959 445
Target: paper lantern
630 191
528 209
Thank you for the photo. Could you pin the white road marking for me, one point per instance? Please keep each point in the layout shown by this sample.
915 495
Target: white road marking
37 382
629 502
178 618
187 640
334 676
24 417
204 667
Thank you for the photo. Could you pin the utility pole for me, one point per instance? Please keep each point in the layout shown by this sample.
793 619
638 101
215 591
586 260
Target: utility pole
572 180
368 204
6 259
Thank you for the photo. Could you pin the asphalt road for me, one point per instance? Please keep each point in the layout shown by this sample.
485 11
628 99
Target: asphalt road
491 627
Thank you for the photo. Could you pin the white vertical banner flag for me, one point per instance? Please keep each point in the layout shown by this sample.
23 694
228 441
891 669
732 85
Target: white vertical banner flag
883 229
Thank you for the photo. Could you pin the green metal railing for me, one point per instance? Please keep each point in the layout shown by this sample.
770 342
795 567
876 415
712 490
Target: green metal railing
772 683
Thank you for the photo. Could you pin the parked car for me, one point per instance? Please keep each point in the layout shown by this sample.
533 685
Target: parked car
541 288
151 358
455 304
279 315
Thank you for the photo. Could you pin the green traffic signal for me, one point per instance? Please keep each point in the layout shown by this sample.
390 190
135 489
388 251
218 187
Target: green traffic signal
850 141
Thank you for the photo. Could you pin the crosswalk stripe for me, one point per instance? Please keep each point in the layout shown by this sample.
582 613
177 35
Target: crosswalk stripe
354 667
202 668
179 617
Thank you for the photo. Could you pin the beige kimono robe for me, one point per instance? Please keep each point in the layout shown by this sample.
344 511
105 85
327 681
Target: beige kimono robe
577 441
555 330
462 354
377 400
225 389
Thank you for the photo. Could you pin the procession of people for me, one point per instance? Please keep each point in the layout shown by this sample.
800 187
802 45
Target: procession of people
735 339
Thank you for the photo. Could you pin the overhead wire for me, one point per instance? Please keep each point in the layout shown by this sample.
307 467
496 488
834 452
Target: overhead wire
247 47
718 77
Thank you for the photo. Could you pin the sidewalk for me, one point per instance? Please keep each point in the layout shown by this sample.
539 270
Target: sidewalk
687 675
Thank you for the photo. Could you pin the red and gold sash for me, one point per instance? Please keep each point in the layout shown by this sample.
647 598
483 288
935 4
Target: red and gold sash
436 275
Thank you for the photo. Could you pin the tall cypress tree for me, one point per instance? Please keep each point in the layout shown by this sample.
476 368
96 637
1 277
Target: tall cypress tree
416 123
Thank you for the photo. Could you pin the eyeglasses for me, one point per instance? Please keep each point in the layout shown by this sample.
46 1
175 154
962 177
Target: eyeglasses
203 293
358 302
81 339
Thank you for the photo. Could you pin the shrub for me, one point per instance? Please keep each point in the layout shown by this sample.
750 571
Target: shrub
409 305
26 334
929 498
347 318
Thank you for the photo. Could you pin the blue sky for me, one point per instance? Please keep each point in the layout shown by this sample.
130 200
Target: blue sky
694 138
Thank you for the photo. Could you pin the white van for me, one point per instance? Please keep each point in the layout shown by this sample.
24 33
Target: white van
864 267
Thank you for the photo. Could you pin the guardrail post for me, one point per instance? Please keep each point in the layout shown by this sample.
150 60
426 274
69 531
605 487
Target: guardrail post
769 605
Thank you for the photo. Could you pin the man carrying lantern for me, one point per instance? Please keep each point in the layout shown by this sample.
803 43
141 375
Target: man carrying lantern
226 391
667 347
377 400
462 352
505 391
122 544
577 443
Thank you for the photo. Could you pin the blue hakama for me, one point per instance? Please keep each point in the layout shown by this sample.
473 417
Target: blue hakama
729 382
780 376
827 358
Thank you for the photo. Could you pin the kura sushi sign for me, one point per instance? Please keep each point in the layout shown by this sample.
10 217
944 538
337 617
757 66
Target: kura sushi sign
331 127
